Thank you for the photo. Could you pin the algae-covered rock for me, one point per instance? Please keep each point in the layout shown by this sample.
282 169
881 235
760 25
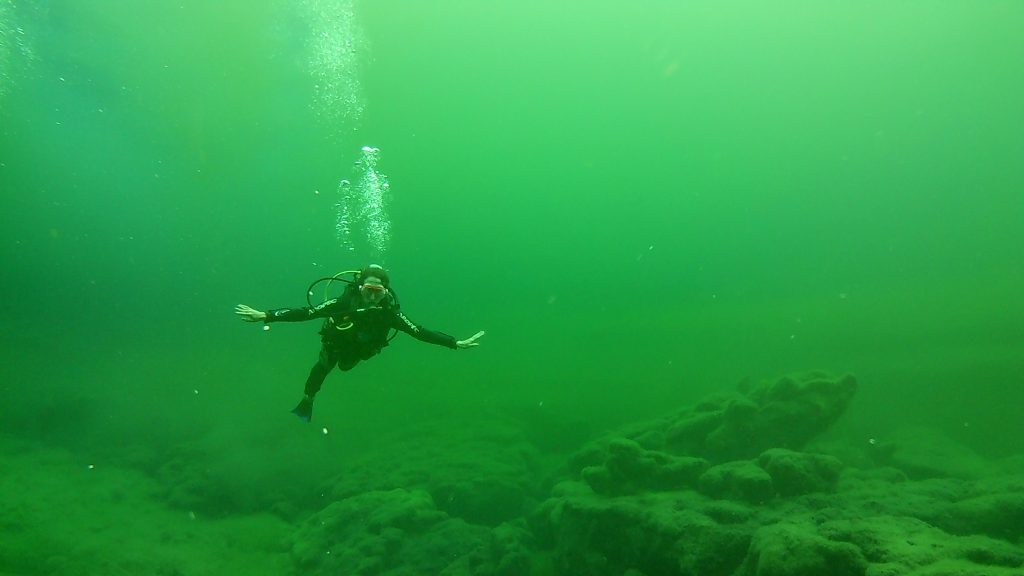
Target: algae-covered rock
664 534
796 473
743 480
796 549
962 568
479 474
994 507
488 501
897 546
628 468
786 413
402 532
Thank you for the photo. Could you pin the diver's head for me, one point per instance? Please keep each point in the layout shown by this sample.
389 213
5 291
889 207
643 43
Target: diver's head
374 271
373 283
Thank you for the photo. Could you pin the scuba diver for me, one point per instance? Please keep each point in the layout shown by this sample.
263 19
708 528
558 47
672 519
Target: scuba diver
356 327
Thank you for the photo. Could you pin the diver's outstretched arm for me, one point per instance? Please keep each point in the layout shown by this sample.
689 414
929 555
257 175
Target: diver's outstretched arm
250 314
471 341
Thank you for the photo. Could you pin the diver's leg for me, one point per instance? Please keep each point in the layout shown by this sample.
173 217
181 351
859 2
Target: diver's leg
320 370
347 362
314 381
329 357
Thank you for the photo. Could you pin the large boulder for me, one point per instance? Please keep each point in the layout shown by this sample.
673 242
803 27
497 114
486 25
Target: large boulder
796 549
796 473
627 468
399 531
742 480
994 507
672 534
786 413
483 473
898 546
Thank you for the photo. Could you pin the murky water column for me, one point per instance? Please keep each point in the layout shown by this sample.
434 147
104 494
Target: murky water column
362 209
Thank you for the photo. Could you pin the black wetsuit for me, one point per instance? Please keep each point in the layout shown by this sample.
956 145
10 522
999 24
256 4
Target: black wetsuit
351 333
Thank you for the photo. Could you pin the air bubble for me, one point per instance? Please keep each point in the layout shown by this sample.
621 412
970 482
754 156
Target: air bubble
334 45
362 209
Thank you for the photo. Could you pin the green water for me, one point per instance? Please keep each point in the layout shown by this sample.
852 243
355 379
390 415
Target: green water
641 203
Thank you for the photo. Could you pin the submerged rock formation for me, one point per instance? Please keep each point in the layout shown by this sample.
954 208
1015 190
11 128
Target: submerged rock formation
785 413
728 488
676 452
733 486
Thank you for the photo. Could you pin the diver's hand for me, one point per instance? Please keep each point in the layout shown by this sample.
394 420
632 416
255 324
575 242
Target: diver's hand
471 341
249 314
